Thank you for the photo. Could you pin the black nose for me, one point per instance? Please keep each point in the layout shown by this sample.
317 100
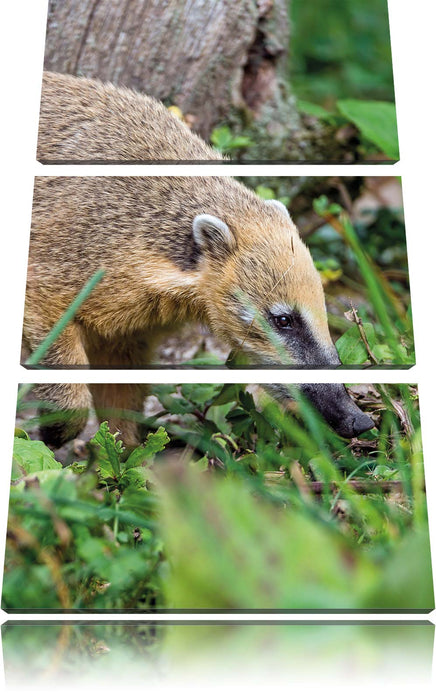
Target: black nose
338 409
352 423
361 423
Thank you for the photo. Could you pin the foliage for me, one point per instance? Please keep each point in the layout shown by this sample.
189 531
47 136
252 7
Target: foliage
226 142
108 654
250 554
350 346
336 61
344 54
84 536
377 122
374 120
333 64
232 521
386 333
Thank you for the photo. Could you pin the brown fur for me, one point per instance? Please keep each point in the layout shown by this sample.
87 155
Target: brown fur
140 230
86 120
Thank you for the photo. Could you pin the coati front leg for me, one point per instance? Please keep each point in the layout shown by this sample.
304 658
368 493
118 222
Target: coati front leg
63 413
65 407
117 404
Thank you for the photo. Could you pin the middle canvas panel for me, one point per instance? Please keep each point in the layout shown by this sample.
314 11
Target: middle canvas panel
138 272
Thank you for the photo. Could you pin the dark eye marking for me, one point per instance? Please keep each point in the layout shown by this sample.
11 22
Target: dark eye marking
283 321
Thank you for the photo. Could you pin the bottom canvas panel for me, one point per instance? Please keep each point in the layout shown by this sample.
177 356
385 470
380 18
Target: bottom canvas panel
153 653
218 497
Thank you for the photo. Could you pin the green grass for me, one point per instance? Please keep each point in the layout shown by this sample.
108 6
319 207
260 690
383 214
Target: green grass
385 312
230 504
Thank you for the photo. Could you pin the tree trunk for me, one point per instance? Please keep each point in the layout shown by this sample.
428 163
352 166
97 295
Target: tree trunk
217 60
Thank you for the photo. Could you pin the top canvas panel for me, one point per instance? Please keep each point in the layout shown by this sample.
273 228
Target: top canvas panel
272 81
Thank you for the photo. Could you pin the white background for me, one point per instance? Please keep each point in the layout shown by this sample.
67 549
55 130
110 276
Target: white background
413 37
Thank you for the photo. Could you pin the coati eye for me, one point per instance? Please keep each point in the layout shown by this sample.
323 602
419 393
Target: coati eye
283 321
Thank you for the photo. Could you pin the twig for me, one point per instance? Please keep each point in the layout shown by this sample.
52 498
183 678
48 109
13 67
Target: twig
348 202
316 488
302 484
362 486
403 416
399 409
358 322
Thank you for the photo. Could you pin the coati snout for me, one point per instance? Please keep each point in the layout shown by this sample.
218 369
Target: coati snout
338 409
332 401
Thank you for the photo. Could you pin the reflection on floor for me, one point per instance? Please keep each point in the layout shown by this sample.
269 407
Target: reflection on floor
44 653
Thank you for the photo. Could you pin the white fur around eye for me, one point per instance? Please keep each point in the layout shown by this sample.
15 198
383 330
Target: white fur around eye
280 309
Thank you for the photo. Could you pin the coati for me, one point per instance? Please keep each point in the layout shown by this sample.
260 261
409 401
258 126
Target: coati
86 120
174 249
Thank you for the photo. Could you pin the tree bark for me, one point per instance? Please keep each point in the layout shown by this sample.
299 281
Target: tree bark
217 60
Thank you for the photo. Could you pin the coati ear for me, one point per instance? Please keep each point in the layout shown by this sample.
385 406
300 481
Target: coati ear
213 235
279 205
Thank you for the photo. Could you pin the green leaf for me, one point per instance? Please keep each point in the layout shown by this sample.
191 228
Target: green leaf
246 400
109 451
264 429
19 432
223 139
265 192
315 110
242 423
323 206
385 472
228 394
240 142
200 394
173 404
136 477
154 443
376 120
383 353
220 137
32 456
238 359
350 345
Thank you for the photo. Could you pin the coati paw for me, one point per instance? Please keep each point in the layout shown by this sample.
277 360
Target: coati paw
57 433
